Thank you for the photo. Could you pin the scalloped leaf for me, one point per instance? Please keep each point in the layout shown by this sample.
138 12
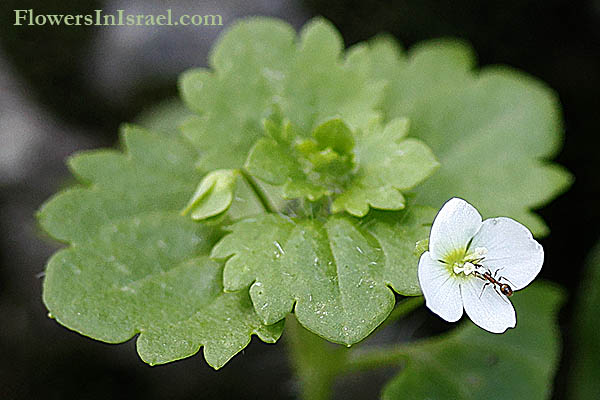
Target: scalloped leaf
306 167
257 66
388 163
490 129
365 169
134 265
401 236
164 117
334 271
470 363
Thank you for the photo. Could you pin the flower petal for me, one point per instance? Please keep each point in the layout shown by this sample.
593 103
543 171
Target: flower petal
440 288
453 228
511 250
492 311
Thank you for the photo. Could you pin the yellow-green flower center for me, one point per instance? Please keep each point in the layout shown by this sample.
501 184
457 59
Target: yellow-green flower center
464 262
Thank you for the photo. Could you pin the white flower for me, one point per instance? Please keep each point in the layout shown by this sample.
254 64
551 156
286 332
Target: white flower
463 251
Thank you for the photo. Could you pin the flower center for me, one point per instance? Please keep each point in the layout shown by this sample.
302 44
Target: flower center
463 262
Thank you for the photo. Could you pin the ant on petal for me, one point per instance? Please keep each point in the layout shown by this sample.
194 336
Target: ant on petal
499 287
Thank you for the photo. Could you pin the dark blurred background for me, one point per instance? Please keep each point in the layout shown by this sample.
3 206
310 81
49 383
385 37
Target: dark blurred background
67 89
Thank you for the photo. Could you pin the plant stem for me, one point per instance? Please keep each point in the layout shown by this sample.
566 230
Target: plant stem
318 362
402 308
364 360
315 360
260 194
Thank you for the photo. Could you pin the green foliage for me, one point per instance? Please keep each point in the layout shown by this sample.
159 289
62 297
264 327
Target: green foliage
464 116
490 129
334 271
583 383
134 265
325 230
470 363
400 236
365 169
259 64
388 163
165 117
214 194
311 168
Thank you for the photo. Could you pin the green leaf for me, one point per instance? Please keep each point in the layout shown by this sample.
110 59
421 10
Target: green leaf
334 271
165 117
306 167
367 169
388 163
401 236
258 65
470 363
490 129
156 175
583 381
334 135
214 194
134 265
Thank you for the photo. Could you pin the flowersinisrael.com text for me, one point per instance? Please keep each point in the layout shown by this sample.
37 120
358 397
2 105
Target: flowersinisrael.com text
119 18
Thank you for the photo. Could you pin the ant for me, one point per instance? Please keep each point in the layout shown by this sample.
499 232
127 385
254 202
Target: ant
504 288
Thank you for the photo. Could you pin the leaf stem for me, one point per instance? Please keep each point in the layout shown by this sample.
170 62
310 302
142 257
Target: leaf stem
318 363
364 360
258 191
402 308
315 360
